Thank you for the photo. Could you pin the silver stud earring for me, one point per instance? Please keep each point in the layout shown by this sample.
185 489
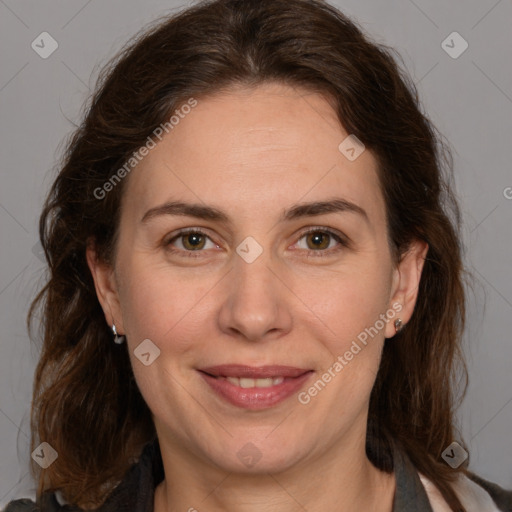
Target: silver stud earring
398 325
117 338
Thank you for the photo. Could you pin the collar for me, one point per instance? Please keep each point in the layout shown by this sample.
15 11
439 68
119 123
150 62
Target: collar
410 493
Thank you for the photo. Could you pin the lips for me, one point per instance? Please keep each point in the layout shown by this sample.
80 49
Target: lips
249 372
255 388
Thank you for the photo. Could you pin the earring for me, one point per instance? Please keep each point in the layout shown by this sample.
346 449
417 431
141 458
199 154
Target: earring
398 325
117 339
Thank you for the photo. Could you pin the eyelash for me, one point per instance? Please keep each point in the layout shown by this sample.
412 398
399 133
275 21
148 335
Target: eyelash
321 253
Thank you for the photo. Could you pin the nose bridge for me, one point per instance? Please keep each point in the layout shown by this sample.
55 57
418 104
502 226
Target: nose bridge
254 305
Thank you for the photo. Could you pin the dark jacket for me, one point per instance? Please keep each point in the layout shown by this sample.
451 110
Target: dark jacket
136 491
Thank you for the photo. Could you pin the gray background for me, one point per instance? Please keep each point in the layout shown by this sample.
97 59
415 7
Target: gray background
469 98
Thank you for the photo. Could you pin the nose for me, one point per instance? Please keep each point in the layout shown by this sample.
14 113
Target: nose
256 303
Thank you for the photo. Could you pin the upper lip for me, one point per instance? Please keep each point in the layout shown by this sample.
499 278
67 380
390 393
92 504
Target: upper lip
251 372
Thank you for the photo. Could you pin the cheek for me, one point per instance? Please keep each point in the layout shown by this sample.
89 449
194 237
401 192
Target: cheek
168 307
345 304
168 310
149 297
148 305
346 320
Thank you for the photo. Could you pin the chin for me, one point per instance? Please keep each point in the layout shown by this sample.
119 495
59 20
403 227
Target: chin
253 457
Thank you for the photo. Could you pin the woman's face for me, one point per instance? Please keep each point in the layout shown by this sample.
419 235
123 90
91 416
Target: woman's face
249 287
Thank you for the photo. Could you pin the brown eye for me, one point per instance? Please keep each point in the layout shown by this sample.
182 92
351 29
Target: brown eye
322 242
193 241
318 240
186 242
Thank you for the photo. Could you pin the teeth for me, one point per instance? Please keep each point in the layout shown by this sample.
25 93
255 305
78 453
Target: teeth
255 383
252 383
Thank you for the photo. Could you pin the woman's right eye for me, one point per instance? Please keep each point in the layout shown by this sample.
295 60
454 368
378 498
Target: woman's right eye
191 240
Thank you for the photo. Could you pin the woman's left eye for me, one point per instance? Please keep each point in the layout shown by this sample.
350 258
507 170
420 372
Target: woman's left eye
321 241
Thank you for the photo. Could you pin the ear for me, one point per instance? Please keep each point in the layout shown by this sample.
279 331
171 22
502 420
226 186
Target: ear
106 288
406 281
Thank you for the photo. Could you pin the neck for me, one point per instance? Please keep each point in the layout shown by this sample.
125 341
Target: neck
341 479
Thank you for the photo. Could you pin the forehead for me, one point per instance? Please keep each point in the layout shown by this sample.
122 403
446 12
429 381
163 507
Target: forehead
260 147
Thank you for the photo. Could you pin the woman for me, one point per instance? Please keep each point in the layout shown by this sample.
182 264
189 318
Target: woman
256 295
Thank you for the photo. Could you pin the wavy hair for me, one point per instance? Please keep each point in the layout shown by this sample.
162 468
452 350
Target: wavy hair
86 403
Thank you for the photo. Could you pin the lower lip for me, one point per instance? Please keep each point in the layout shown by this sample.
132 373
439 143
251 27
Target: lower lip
256 398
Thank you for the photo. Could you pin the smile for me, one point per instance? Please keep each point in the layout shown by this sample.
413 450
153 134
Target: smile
254 388
253 383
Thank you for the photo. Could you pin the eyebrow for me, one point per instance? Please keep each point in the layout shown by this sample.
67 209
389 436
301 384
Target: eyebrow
298 211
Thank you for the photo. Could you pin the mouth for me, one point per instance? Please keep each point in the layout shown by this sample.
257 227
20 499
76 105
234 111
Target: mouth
255 388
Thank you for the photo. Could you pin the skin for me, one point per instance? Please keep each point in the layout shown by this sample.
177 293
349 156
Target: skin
254 153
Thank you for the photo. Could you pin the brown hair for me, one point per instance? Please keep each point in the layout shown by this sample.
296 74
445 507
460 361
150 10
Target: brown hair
86 402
